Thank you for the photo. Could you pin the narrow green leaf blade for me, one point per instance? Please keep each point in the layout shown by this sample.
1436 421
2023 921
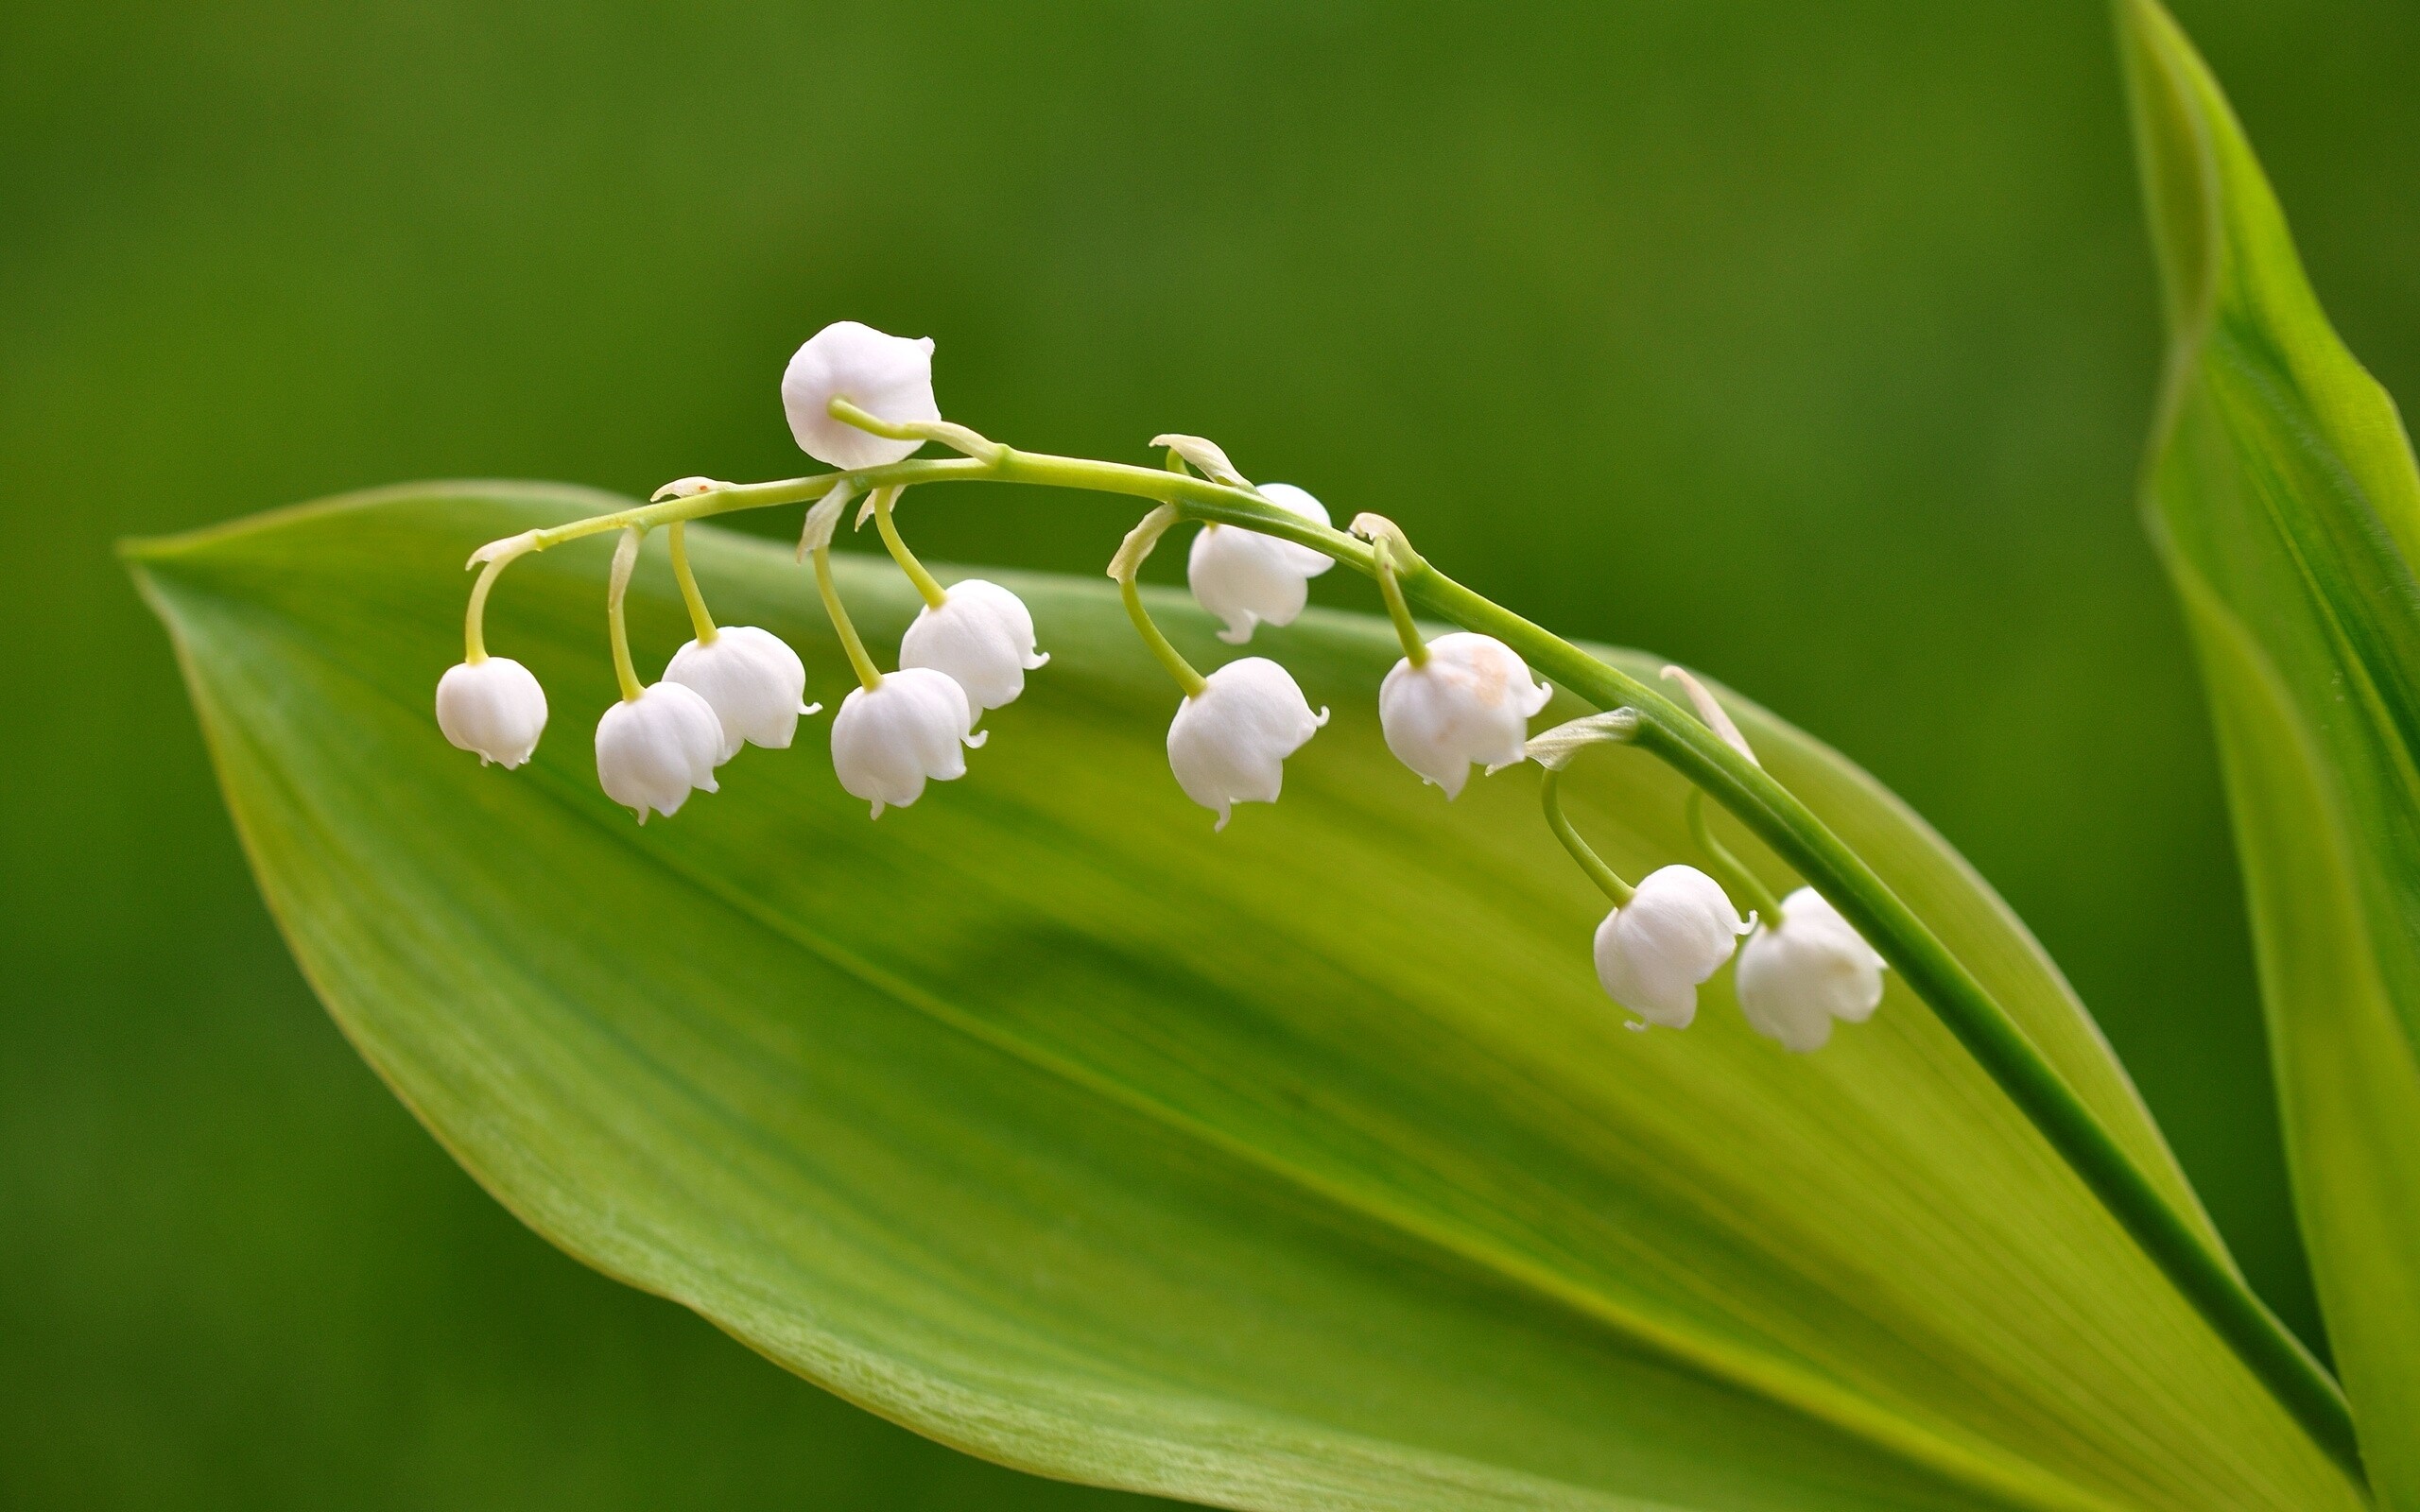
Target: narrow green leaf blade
2284 498
1301 1165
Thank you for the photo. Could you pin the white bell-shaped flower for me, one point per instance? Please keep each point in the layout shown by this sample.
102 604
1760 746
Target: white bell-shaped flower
1470 701
890 377
983 636
1676 931
654 748
493 706
755 681
1796 978
1243 576
1229 743
887 742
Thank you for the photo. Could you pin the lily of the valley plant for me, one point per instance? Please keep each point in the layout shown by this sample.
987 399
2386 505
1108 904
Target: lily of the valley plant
863 401
1298 1159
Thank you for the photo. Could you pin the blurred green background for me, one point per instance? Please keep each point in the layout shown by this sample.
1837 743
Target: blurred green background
1844 311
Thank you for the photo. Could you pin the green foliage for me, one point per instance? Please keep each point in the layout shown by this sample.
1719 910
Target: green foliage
1301 1165
2284 499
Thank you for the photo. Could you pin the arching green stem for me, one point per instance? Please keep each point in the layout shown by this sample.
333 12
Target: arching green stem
1167 656
1733 875
475 637
1607 880
884 500
1123 567
2178 1240
700 621
2187 1253
626 556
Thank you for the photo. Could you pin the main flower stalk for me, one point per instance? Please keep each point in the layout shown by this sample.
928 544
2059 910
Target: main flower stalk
1700 754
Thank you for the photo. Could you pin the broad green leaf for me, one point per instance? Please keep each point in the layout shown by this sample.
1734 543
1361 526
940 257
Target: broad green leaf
1303 1165
2283 495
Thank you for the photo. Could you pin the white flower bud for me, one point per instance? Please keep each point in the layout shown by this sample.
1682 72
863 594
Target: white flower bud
754 683
654 748
1796 978
1244 577
493 706
890 377
983 636
887 741
1229 743
1674 932
1470 701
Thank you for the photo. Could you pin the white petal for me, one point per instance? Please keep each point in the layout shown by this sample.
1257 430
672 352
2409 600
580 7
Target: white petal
1636 983
1243 576
889 741
755 681
1298 501
982 637
494 706
1795 979
1228 743
887 376
653 749
1676 931
1470 702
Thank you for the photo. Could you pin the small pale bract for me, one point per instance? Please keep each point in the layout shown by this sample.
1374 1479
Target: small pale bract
653 749
983 636
1245 578
1795 977
1470 701
890 377
1228 743
888 741
1676 931
494 706
754 683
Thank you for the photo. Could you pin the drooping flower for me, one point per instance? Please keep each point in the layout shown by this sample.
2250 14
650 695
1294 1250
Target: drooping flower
1797 977
651 750
887 376
754 683
493 706
1676 931
1229 743
888 740
1470 701
1244 577
983 636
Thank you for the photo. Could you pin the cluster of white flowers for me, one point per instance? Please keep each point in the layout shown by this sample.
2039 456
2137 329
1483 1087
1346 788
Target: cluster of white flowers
1796 974
860 399
1802 964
